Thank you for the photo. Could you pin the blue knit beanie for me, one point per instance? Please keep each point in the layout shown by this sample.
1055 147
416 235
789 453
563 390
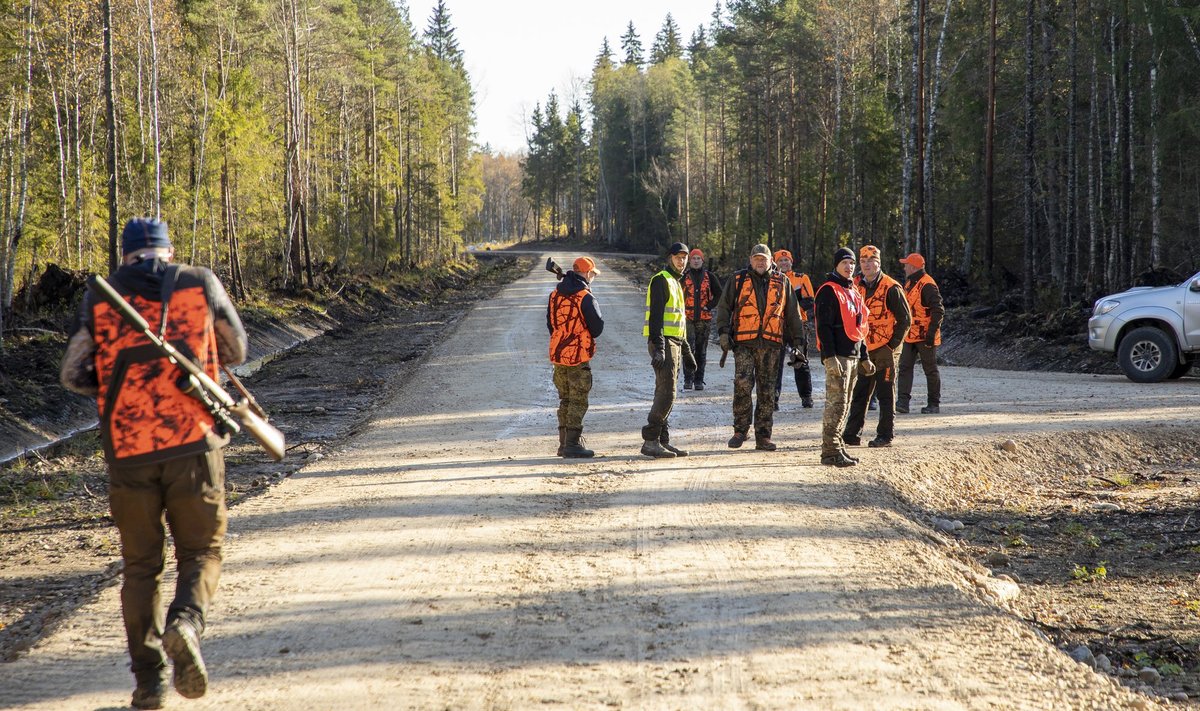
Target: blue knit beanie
144 232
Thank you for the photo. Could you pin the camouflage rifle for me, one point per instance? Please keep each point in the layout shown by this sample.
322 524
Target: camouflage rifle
193 381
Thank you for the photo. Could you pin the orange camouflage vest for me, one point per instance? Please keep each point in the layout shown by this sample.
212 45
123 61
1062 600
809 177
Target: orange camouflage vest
921 318
748 324
880 319
144 416
571 342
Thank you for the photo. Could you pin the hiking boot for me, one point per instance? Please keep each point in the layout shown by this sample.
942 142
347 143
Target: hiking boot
736 440
182 644
699 386
674 450
562 439
687 385
931 410
765 444
654 448
806 402
847 456
150 694
573 448
837 460
852 441
880 442
902 409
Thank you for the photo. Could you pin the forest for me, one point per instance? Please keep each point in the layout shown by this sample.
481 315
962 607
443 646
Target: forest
277 138
1040 151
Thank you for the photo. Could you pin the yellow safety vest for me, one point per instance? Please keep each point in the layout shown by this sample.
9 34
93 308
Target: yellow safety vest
673 313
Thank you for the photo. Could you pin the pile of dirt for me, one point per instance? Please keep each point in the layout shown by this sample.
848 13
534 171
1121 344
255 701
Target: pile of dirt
60 548
1099 529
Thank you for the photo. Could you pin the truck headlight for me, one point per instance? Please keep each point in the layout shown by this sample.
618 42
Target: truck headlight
1104 307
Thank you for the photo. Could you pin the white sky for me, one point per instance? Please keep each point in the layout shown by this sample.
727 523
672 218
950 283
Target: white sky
516 51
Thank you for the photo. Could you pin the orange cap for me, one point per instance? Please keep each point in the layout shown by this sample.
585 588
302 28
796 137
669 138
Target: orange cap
915 260
583 265
696 253
783 254
869 251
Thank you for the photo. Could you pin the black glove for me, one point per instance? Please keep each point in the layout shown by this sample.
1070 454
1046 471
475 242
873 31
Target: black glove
798 360
658 354
689 359
726 342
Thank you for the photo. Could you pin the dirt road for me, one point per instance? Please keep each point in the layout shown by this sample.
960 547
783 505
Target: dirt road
445 558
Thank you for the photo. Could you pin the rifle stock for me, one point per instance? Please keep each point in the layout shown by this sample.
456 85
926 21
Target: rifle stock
194 381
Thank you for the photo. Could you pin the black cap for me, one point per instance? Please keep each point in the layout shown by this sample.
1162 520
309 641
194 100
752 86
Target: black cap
841 254
678 248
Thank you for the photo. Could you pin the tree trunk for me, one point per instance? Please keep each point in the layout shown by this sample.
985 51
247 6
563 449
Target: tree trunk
111 120
1029 181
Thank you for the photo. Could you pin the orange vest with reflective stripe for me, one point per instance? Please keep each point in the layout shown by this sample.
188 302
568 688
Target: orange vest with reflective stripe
854 312
880 318
144 416
571 342
801 284
748 324
921 318
689 296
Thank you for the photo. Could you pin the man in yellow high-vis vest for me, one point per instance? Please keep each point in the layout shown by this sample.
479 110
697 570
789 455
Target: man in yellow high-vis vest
666 338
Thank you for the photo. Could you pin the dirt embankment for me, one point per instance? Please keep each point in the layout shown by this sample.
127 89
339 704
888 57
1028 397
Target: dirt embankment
60 548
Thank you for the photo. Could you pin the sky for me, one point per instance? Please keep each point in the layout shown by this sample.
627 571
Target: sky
517 51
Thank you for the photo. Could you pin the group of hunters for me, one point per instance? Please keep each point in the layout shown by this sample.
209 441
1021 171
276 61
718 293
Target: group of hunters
870 329
163 447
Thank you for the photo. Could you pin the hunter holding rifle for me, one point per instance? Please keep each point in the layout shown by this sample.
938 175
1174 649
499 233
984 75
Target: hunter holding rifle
574 321
162 446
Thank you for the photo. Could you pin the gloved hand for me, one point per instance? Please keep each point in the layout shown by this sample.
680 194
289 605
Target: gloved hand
689 359
796 358
866 367
658 353
833 367
726 342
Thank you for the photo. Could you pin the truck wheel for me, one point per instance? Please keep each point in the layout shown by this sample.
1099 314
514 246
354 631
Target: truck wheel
1147 355
1180 370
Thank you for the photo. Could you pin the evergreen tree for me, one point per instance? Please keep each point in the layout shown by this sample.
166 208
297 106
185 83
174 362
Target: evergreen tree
439 36
631 44
667 43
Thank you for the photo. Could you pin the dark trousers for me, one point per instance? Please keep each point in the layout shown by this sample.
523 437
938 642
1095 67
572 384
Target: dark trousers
933 378
666 382
697 336
754 371
803 375
574 382
882 384
189 495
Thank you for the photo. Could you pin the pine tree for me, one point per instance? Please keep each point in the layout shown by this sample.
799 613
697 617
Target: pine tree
632 45
667 43
439 36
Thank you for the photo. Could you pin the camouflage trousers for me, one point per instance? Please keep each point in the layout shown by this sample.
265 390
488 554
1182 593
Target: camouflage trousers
754 370
837 403
574 382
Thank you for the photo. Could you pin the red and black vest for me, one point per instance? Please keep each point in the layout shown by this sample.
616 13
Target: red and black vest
571 342
697 311
144 416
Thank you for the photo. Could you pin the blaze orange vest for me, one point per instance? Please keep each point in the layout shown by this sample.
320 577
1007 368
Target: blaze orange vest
854 312
748 323
144 416
689 296
802 285
880 318
921 318
571 342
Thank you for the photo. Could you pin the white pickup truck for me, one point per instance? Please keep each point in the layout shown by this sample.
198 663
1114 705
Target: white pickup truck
1155 331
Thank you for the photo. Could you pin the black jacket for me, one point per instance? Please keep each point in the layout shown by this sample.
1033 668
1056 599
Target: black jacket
831 334
574 283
